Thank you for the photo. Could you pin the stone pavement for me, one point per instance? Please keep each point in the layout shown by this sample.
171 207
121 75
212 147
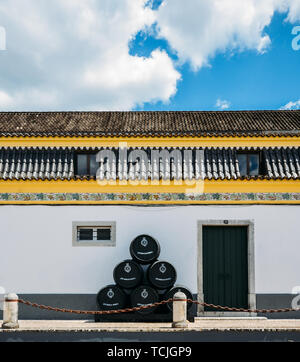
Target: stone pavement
200 324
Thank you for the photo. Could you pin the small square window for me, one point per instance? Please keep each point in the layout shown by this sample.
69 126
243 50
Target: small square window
253 164
104 234
242 159
85 234
94 233
82 165
249 164
87 164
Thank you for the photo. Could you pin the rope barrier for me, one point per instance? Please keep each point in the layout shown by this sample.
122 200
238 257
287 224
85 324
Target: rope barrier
134 309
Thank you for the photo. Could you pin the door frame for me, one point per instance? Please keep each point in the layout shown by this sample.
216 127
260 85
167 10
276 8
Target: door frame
251 267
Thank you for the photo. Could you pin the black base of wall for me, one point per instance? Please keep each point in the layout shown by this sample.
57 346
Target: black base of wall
276 301
135 317
88 302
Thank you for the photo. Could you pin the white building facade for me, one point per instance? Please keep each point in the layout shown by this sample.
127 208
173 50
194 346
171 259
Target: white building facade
233 221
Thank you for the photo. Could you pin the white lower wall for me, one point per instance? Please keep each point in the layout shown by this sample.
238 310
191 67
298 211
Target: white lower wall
37 254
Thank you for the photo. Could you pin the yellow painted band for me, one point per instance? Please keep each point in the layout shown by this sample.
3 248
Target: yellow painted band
208 186
150 141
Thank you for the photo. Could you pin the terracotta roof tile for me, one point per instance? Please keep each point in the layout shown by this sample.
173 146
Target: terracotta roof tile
150 124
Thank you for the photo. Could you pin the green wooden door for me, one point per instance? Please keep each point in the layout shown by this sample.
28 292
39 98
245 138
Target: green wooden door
225 266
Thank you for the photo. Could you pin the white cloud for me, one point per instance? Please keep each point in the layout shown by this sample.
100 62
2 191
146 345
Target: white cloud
5 99
222 104
294 10
74 54
199 29
291 105
146 77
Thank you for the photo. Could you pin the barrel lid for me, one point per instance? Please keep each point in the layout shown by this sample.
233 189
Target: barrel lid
162 275
142 296
111 297
128 274
144 249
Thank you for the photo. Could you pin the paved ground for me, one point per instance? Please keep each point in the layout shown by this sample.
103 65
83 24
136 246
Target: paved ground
204 330
200 324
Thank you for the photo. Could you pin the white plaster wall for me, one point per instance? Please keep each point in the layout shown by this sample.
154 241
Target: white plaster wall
37 254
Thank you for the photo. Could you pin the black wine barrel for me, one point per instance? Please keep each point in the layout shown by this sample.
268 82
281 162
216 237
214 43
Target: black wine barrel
173 291
128 274
142 296
111 298
145 268
162 275
144 249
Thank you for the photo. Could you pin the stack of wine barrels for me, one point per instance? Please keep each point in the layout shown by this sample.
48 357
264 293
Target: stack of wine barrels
142 280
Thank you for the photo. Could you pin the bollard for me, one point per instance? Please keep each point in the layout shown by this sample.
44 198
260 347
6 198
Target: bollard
10 312
179 311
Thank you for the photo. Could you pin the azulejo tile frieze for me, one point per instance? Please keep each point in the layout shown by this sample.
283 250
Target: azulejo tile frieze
147 197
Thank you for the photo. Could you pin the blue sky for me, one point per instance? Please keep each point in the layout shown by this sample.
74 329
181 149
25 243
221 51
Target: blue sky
149 55
247 80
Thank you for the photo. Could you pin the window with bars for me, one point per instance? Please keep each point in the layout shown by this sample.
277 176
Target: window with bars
94 234
87 233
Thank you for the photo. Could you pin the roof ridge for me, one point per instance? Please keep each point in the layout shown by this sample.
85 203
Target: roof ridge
160 111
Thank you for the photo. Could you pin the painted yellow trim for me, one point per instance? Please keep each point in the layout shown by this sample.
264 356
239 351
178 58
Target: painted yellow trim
150 141
208 186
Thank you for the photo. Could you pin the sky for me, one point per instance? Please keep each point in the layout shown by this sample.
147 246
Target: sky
64 55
